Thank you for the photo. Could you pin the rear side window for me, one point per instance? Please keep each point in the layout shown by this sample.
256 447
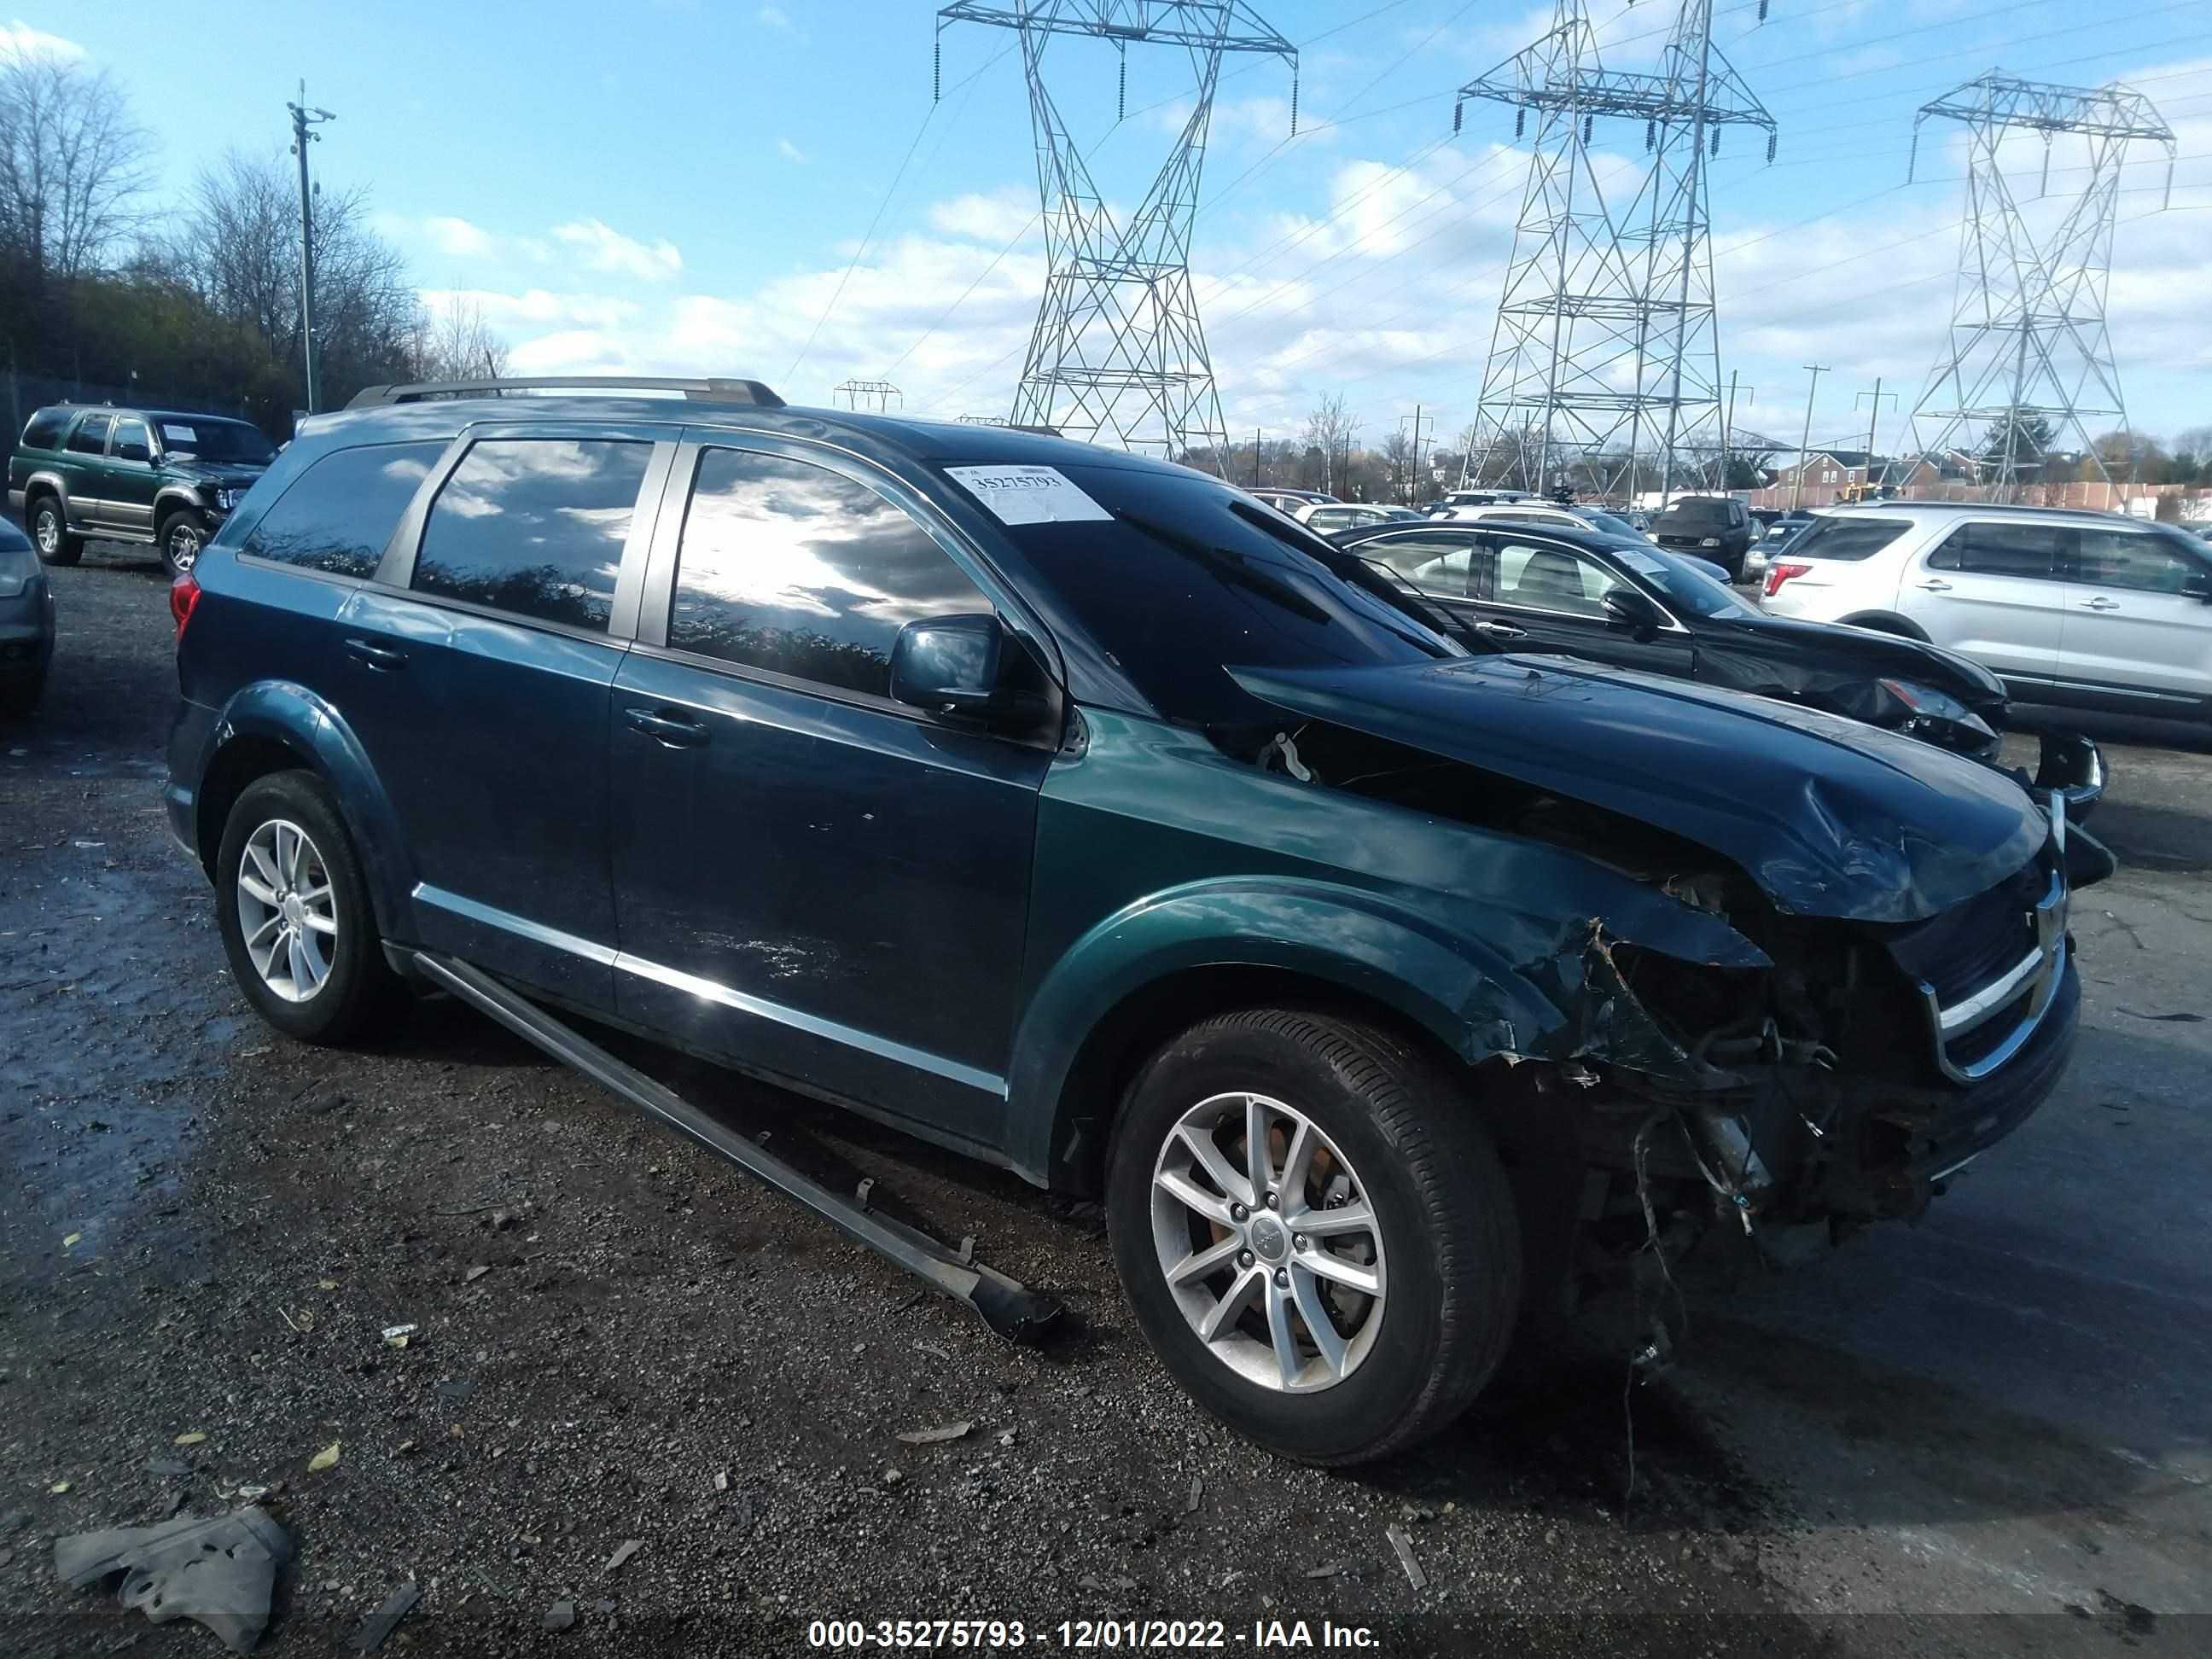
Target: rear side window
791 567
2002 549
535 526
1845 538
339 512
91 437
44 430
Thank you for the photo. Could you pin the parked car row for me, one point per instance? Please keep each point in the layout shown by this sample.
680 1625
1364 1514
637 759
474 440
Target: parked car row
1079 812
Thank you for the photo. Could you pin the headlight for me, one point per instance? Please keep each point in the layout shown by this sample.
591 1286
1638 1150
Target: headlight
1709 541
13 587
225 500
1924 702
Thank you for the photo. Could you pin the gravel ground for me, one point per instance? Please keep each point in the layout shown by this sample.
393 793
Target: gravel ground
619 1338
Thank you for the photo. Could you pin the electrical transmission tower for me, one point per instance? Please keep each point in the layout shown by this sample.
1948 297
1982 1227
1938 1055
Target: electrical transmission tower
1607 333
866 394
2029 358
1117 354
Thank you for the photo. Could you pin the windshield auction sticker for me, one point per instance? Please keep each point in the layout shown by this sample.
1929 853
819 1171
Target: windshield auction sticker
1028 494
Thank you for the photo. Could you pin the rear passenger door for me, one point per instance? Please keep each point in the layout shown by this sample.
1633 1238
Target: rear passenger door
1994 590
84 472
812 879
475 671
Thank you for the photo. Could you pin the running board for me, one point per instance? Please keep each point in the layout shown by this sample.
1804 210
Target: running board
1015 1312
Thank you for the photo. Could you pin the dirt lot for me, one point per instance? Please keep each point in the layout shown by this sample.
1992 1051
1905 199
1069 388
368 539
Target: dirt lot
2001 1413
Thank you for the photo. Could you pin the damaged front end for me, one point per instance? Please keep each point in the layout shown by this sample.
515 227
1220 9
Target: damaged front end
1904 1004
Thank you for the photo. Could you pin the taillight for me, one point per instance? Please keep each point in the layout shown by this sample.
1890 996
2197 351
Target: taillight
185 597
1780 572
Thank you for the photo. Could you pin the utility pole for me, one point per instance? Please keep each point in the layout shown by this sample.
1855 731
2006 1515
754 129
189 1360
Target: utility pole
1255 458
1414 465
1874 418
303 119
1727 426
1797 488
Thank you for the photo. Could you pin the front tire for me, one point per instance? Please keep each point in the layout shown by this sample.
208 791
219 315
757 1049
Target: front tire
1349 1291
50 534
181 536
295 912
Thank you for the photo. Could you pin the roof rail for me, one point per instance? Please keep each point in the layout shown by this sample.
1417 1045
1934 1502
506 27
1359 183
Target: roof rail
697 390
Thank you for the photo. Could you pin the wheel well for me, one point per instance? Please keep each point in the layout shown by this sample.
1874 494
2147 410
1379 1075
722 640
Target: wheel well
1886 622
37 491
1143 1023
237 764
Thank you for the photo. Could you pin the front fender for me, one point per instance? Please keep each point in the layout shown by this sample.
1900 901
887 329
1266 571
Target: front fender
1474 1000
284 712
170 497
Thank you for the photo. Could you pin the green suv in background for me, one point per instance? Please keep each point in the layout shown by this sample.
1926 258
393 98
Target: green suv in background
131 475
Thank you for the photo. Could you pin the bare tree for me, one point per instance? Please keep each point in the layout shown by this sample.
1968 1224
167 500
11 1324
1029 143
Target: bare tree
1331 428
452 341
238 246
73 168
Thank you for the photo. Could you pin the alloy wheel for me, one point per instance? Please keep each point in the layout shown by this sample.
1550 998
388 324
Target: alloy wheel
184 548
286 911
49 530
1269 1242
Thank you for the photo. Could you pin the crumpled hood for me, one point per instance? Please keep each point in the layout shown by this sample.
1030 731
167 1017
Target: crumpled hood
1829 816
1804 658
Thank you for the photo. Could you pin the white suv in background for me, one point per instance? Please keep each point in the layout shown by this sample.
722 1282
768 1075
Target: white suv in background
2089 609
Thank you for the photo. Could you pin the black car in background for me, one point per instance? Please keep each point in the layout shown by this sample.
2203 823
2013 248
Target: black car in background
1615 600
27 623
1717 528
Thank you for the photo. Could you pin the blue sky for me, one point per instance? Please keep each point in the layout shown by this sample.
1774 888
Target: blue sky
683 186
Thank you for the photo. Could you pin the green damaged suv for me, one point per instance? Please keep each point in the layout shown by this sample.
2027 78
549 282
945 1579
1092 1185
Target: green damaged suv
131 475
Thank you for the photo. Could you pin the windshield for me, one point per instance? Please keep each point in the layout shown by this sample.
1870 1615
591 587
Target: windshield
1187 580
1700 510
1686 586
214 440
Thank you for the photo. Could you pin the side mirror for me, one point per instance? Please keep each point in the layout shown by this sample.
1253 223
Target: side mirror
948 665
133 452
1632 608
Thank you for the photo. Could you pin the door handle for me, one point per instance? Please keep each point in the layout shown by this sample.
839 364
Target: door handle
1936 585
2100 604
1498 630
672 730
382 658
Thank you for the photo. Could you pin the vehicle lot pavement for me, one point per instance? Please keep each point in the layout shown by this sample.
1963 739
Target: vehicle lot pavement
2002 1413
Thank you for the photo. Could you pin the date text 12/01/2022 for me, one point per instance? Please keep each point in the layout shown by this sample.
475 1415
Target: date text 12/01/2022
1079 1635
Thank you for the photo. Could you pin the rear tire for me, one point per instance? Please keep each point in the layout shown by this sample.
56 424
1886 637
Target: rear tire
181 536
311 964
1390 1133
50 534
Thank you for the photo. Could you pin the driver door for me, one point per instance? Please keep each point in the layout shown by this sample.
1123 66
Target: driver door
1555 594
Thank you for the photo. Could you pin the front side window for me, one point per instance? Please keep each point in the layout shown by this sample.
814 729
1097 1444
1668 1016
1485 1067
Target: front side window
788 567
91 437
534 526
131 442
2003 550
2139 561
1544 578
337 515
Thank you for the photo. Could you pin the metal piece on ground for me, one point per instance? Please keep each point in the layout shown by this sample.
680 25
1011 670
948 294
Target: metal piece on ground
219 1571
1286 1238
1011 1309
381 1623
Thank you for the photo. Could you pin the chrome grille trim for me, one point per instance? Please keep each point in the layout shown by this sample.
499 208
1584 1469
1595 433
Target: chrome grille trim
2035 975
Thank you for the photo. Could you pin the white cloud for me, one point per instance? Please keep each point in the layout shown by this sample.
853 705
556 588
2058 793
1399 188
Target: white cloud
607 249
775 17
995 218
536 307
20 39
458 237
789 151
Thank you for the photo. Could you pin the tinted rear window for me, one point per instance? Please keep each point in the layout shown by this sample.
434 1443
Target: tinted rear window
1847 538
534 525
338 514
1179 586
44 430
